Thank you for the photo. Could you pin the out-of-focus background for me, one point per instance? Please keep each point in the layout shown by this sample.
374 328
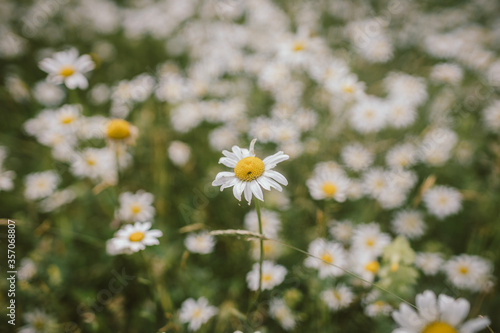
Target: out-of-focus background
113 118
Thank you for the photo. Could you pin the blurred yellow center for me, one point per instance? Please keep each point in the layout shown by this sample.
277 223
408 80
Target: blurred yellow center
136 236
439 327
136 209
67 119
329 189
327 257
90 161
372 266
394 266
266 277
249 168
370 242
298 46
67 70
118 129
197 313
463 270
348 89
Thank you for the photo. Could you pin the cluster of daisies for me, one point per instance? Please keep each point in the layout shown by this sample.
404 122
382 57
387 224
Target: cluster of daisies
302 87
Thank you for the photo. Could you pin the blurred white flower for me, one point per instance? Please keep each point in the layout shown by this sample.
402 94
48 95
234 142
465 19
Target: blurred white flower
179 153
337 298
369 239
202 243
442 201
271 223
430 263
282 313
196 313
328 184
272 275
68 67
41 184
136 207
408 223
468 272
328 253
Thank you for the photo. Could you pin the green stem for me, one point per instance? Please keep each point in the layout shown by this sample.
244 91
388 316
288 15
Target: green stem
261 241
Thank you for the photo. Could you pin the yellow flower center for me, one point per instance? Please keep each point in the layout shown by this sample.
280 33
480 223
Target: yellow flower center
463 270
136 236
348 89
327 257
68 119
197 313
118 129
90 161
249 168
372 266
266 277
67 70
298 46
329 189
370 242
135 209
439 327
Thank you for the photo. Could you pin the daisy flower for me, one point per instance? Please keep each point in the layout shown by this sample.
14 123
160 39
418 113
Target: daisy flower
282 313
41 184
68 68
467 271
179 153
357 157
342 230
329 253
250 173
369 239
430 263
136 207
408 223
328 184
39 322
337 298
443 314
196 313
133 238
201 243
442 201
272 275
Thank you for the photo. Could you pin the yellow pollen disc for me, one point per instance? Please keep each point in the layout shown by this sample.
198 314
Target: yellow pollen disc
372 266
197 313
463 270
369 114
380 303
136 209
267 248
443 200
266 277
370 242
327 257
348 89
439 327
329 189
67 119
298 46
136 236
249 168
90 161
118 129
67 70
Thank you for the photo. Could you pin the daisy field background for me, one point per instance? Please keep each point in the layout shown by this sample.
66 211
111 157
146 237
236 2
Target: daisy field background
252 166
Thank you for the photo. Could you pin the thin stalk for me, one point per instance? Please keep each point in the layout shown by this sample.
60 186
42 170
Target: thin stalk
261 241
